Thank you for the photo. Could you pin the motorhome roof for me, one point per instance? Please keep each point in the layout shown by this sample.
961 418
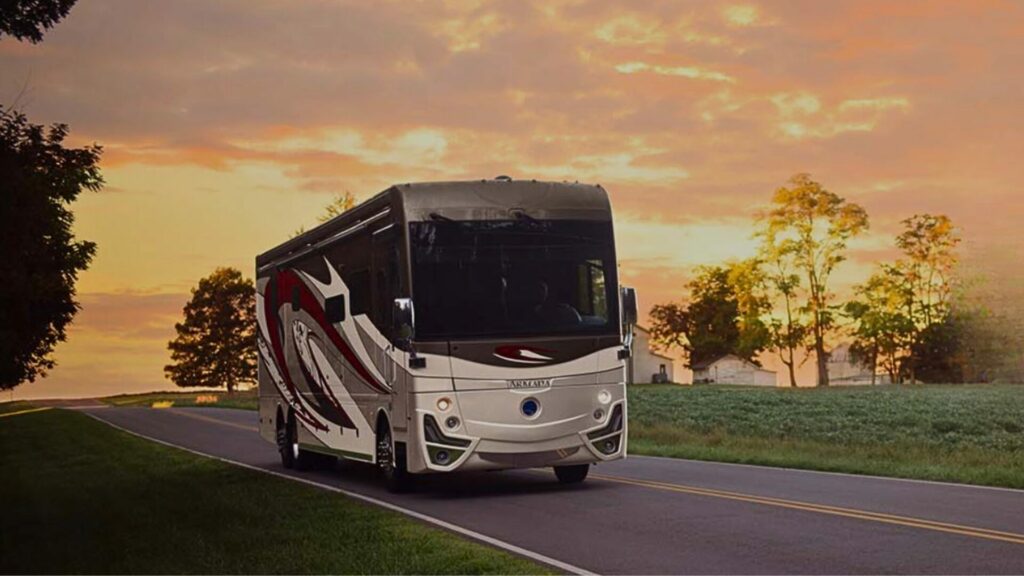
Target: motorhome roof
494 199
497 199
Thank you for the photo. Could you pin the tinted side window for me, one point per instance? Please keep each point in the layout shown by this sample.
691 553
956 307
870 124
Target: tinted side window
359 291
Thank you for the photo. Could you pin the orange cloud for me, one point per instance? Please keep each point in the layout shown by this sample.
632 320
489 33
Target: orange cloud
226 129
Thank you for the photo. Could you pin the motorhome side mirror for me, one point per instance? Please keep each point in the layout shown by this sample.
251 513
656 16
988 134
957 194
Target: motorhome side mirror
629 306
404 318
334 309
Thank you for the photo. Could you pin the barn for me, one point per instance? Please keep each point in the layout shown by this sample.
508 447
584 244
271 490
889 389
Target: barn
731 369
645 365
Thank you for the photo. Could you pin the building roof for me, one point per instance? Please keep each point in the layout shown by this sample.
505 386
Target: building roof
705 364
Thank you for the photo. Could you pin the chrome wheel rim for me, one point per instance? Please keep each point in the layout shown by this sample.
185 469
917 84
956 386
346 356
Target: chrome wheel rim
385 460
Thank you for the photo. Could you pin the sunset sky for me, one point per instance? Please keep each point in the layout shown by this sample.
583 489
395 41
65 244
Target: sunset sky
227 125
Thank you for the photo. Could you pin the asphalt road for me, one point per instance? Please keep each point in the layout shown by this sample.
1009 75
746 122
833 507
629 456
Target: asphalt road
655 516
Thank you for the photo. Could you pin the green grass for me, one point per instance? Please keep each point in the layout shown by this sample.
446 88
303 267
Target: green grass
81 497
245 400
972 434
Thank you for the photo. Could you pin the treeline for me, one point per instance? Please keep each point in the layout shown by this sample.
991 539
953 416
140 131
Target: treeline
905 320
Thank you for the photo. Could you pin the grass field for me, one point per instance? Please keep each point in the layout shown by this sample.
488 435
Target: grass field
81 497
972 434
245 400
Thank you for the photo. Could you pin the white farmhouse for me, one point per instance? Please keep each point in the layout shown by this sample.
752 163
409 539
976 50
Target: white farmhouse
843 370
645 365
731 369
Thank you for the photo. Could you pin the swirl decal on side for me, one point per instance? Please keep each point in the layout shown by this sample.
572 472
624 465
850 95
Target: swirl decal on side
312 386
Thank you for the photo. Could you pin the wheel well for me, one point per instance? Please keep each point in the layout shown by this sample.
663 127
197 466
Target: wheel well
383 423
287 419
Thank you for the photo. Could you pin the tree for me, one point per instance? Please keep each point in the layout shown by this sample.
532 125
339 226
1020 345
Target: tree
27 19
813 226
788 333
342 203
747 281
42 259
214 347
882 329
929 246
939 352
722 317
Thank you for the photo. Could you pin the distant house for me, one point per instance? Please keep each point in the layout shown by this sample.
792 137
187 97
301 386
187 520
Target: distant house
731 369
844 371
645 365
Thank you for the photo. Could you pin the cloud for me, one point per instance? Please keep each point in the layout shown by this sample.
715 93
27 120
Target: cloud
684 71
227 125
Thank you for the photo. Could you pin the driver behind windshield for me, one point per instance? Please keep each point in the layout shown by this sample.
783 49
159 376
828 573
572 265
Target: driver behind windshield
546 312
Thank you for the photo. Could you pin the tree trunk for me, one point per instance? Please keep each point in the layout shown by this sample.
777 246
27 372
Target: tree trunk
231 387
792 372
821 359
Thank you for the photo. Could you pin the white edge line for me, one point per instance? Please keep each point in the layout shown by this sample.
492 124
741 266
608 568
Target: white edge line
830 473
371 500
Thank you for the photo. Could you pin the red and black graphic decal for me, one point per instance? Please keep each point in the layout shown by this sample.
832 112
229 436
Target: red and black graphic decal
520 354
289 282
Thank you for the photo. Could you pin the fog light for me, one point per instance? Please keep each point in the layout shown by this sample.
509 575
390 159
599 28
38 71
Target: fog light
441 457
604 396
443 404
452 422
598 414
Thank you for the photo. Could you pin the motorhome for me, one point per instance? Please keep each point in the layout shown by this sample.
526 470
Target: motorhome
449 326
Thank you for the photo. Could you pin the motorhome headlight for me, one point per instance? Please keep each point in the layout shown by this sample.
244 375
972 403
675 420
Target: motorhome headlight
604 396
452 422
443 404
598 414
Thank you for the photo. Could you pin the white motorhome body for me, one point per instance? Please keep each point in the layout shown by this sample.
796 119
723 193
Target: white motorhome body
449 326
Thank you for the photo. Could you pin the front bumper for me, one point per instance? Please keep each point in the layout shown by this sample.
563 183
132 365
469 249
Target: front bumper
578 439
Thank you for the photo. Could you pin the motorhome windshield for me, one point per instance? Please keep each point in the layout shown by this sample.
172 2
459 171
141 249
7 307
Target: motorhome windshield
519 277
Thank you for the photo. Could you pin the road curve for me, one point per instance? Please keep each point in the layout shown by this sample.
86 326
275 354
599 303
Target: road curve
665 516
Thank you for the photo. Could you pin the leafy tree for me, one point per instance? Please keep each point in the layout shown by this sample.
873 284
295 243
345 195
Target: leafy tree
747 280
787 329
940 352
722 316
42 259
27 19
929 246
882 329
342 203
214 347
813 226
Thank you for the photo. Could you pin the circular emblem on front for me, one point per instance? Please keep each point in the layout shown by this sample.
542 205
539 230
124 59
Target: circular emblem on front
530 407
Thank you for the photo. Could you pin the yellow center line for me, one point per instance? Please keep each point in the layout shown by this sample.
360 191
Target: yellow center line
28 411
824 509
214 420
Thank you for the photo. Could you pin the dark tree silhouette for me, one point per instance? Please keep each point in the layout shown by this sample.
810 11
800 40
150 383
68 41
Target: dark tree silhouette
40 179
214 347
28 19
720 318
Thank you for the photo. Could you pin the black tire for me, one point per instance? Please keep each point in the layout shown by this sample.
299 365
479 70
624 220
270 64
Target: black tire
293 457
391 463
572 474
287 443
